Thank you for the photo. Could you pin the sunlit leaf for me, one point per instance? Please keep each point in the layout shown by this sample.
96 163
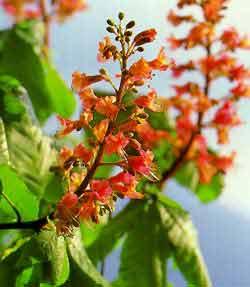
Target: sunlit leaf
181 235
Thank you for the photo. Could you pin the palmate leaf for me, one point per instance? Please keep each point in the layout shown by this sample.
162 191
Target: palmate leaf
30 153
17 192
180 233
21 58
42 259
144 252
22 144
111 233
83 272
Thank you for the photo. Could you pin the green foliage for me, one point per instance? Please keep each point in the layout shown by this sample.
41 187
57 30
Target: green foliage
43 258
211 191
110 235
164 156
22 144
17 192
160 120
20 57
144 252
188 176
83 272
181 235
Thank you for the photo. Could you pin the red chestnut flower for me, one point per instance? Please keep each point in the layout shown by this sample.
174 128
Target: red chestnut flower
114 129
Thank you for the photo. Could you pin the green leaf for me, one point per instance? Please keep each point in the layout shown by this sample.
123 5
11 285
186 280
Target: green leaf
30 153
113 231
18 193
42 259
8 272
164 156
83 272
4 153
188 176
160 120
54 189
22 144
48 250
54 247
152 189
144 252
105 170
180 233
211 191
20 57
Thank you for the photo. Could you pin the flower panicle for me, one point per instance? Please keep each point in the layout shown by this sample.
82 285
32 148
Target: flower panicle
195 104
86 197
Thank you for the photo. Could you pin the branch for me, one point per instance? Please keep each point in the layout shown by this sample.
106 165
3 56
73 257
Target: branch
46 20
33 225
179 161
99 155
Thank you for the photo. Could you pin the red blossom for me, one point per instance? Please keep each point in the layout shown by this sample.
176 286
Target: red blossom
150 136
140 70
241 91
80 81
116 143
101 190
106 49
176 20
88 98
106 106
82 153
161 62
175 43
141 163
69 200
147 101
178 70
226 115
68 126
185 127
212 9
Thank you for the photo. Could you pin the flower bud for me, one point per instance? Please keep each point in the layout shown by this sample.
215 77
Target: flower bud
145 37
140 49
130 25
110 22
128 33
110 29
121 15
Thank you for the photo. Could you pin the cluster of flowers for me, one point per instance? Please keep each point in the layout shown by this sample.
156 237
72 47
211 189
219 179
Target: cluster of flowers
31 9
88 198
193 102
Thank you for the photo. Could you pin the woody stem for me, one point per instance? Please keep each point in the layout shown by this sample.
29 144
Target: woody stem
181 158
100 152
46 20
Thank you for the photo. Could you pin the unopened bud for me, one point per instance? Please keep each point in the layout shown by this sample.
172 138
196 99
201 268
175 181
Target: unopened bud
110 22
145 37
130 25
121 15
140 49
128 33
110 29
103 71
